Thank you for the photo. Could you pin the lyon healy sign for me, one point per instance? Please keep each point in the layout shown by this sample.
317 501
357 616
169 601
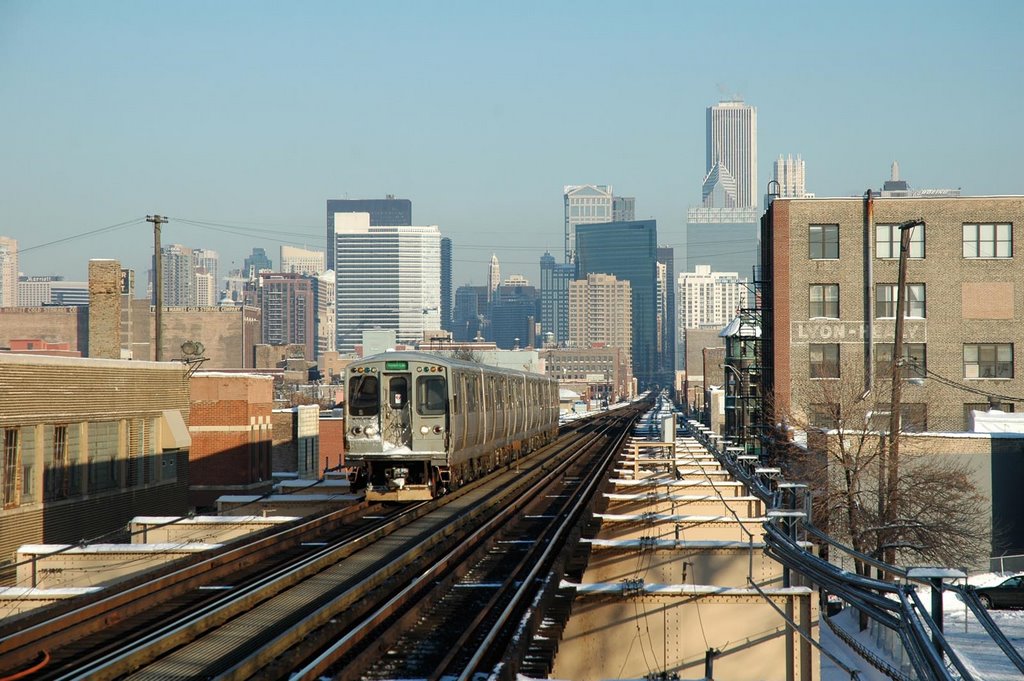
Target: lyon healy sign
833 331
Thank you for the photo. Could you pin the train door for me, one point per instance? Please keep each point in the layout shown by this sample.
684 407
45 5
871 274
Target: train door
396 414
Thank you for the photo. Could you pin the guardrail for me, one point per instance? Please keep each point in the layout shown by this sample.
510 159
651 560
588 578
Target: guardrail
895 606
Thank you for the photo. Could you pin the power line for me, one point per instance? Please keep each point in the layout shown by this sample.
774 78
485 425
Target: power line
83 235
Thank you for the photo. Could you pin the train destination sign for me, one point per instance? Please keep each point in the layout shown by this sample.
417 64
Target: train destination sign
833 331
395 365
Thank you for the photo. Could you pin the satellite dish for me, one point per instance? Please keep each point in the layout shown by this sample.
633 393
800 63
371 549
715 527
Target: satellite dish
200 348
189 348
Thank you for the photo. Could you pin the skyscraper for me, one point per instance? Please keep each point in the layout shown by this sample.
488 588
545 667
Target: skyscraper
387 277
628 250
289 310
255 263
584 204
554 297
179 275
386 212
8 272
308 261
623 208
600 311
789 173
667 308
493 277
514 315
446 284
210 261
731 173
709 299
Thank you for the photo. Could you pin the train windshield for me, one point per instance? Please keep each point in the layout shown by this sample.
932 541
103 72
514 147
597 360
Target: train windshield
364 395
431 395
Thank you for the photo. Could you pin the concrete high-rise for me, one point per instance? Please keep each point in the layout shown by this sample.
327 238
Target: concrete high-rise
710 299
179 276
667 308
8 272
210 261
308 261
628 250
386 212
447 322
288 303
387 277
554 297
730 179
600 312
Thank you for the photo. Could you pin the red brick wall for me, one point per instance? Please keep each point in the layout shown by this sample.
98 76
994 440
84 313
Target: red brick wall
230 424
332 442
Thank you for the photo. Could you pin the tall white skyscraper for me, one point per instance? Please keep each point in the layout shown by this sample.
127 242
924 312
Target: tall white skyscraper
789 173
8 272
707 298
326 308
585 204
206 288
731 173
179 275
386 278
493 277
296 260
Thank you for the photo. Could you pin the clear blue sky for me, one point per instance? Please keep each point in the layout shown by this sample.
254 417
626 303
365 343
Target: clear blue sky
254 113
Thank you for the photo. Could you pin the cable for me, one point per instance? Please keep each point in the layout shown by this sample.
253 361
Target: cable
93 232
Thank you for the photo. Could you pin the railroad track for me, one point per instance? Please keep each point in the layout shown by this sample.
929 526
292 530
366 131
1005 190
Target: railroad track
268 626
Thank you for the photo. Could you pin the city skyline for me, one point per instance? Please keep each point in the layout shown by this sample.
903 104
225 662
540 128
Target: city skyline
148 110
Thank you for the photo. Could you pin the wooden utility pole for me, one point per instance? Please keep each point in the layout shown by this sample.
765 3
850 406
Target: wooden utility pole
158 283
895 402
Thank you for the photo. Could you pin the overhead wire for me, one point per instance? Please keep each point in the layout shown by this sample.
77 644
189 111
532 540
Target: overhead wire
82 235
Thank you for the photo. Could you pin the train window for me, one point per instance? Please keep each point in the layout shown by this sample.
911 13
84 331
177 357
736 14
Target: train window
398 392
431 395
471 394
364 395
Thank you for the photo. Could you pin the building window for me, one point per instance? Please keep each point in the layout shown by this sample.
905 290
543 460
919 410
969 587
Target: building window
988 240
988 360
824 360
11 469
885 301
823 241
913 417
57 474
887 241
915 360
104 471
825 416
971 407
824 301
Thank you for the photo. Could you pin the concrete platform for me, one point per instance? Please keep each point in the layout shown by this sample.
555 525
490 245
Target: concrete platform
299 505
15 600
59 566
204 528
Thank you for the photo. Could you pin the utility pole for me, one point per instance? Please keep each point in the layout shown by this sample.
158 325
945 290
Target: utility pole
895 405
158 283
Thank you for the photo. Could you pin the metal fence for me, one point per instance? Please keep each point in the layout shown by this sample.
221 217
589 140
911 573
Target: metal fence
1004 564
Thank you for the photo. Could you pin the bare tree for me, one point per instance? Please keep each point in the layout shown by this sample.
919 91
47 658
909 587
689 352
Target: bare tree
940 516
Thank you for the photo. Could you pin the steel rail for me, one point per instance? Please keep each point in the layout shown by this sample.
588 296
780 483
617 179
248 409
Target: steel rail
352 638
562 530
139 594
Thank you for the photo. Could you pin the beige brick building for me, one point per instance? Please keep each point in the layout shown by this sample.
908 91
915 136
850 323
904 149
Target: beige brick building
594 373
600 311
827 311
86 445
829 307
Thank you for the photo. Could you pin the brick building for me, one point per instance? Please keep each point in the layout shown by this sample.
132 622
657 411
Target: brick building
87 445
296 445
232 434
596 373
828 310
829 305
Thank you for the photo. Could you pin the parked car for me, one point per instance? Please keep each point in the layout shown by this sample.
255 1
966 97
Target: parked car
1007 594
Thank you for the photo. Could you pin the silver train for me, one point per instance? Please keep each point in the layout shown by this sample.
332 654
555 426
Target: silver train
418 425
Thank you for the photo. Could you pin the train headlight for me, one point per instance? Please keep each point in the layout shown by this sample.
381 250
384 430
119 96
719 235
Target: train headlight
424 430
371 430
357 430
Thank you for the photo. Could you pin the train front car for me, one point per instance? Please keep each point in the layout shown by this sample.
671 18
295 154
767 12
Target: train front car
396 425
